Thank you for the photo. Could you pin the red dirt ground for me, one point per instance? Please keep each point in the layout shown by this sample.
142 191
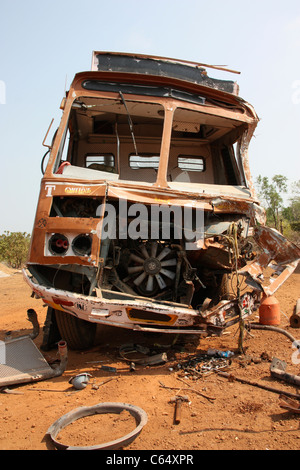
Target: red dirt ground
238 416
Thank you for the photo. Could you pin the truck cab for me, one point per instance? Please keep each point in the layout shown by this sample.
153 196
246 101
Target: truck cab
147 216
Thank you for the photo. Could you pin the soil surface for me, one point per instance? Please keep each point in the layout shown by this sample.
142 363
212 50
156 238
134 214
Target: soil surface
219 414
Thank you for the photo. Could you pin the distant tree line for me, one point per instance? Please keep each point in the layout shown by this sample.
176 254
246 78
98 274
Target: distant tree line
283 217
14 248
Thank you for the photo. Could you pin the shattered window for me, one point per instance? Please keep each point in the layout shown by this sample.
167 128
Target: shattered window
114 136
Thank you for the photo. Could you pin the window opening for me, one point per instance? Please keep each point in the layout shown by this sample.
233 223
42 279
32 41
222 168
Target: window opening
136 162
191 163
104 162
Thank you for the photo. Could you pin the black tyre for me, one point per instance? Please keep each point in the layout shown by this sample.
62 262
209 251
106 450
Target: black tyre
79 334
224 291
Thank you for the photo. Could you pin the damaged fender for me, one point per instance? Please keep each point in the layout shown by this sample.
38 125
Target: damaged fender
278 253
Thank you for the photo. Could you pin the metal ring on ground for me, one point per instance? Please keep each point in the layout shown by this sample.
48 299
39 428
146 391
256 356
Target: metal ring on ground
140 416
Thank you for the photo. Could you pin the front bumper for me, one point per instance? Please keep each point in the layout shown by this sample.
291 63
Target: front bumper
142 314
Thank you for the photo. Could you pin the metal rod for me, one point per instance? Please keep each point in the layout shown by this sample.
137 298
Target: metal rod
255 384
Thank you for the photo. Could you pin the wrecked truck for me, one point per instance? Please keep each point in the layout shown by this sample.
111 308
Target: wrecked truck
147 217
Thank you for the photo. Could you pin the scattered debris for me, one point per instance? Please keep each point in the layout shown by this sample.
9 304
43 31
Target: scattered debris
295 318
80 381
187 388
94 362
34 389
81 412
178 400
96 386
109 369
217 353
137 354
278 370
289 404
255 384
245 359
199 365
9 391
24 363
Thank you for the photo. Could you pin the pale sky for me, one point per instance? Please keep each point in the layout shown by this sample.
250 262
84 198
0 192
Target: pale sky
43 45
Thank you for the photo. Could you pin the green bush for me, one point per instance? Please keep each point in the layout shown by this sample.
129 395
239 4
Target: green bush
14 248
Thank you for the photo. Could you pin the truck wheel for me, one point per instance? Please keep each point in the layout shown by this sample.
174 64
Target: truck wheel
222 291
79 334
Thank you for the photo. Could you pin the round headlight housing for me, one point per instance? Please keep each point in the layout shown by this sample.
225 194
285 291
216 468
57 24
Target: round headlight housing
58 244
82 245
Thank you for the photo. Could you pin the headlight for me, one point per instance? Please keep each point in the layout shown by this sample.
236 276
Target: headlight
82 245
58 244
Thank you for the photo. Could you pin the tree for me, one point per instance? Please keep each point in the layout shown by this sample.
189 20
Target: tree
270 193
14 248
292 212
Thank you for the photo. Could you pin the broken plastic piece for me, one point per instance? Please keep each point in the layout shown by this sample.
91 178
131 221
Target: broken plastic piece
80 381
127 351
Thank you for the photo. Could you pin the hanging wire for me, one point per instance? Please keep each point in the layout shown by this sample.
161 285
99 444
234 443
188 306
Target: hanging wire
233 251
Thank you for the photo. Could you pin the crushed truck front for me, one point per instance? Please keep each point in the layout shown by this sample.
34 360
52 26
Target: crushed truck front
147 217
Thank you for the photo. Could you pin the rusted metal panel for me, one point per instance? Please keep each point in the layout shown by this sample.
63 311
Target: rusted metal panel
159 66
277 249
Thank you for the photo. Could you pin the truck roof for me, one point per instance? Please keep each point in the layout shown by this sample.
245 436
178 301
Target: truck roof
139 64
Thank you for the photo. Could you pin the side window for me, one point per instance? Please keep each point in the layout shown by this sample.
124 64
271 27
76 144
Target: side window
101 162
143 160
191 163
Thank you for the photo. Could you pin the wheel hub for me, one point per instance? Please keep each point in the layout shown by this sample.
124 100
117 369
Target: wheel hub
152 266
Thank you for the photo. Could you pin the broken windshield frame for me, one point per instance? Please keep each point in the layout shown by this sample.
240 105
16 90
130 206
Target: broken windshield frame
163 142
105 125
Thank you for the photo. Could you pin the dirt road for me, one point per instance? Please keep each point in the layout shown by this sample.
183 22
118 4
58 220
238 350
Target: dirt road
219 414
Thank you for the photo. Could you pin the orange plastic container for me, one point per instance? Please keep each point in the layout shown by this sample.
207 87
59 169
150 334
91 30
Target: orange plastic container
269 311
